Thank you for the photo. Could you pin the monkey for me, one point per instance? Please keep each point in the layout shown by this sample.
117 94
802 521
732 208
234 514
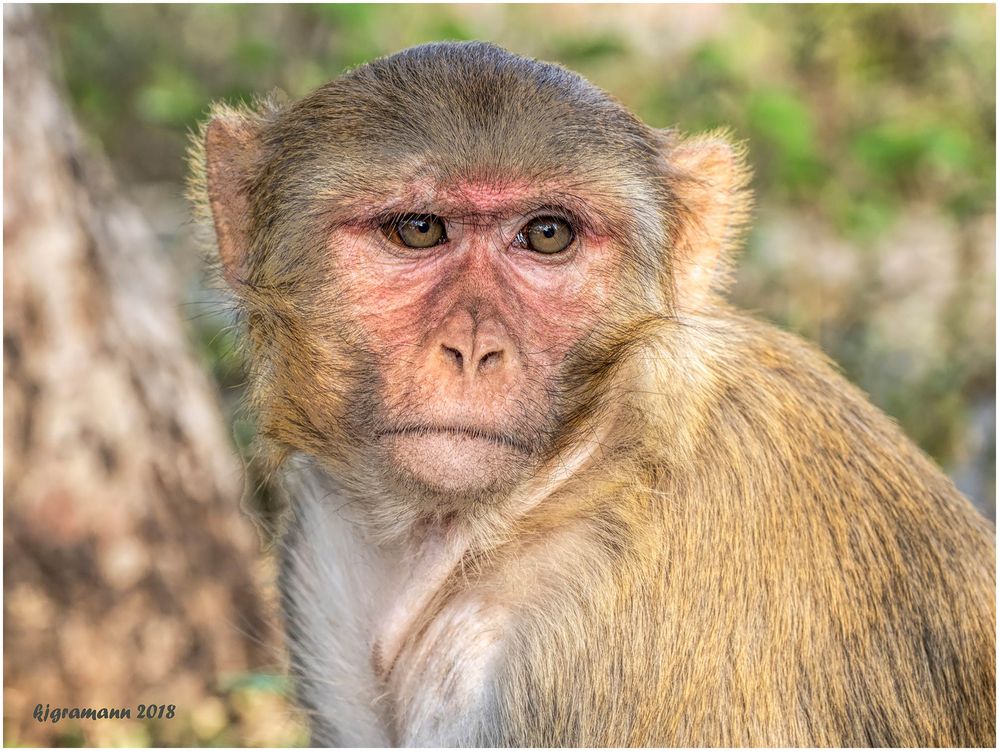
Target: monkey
547 487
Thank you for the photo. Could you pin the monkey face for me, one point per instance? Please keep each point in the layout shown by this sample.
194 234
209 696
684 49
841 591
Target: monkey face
443 254
470 306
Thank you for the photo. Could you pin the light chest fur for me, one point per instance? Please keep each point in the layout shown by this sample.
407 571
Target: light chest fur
379 660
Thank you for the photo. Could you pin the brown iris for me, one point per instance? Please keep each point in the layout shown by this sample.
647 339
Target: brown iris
416 230
546 234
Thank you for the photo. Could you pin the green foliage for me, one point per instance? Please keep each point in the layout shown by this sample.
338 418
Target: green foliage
571 51
782 124
822 94
268 682
169 98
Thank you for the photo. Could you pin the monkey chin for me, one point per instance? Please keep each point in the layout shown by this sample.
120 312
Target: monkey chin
456 465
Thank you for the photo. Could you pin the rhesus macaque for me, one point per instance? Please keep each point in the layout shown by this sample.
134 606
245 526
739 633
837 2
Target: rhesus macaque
547 487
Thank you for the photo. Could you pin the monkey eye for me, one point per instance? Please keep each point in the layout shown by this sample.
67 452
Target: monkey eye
546 234
416 230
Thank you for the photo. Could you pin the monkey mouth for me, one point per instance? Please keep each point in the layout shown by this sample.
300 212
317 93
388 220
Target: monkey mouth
458 461
458 431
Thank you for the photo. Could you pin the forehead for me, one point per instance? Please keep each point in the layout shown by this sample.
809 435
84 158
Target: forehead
465 113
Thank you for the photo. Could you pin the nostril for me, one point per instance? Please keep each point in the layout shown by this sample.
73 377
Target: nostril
454 355
490 360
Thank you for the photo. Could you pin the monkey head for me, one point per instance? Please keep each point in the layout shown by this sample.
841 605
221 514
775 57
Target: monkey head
439 252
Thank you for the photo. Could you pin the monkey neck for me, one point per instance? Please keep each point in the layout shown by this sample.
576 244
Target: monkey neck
587 449
433 552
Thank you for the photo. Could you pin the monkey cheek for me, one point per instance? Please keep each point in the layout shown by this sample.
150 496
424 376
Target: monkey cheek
456 464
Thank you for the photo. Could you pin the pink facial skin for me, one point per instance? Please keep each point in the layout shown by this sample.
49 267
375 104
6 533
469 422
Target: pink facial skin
461 422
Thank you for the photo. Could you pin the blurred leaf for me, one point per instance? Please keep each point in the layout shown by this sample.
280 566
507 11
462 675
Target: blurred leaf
713 58
172 98
585 50
783 122
255 54
269 682
897 150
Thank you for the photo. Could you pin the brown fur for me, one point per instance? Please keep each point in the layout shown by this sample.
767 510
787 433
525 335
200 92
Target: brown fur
754 556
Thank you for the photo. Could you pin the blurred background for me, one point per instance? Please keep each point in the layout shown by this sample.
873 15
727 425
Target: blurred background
871 130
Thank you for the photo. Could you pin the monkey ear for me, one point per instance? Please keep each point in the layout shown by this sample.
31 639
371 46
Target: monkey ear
232 151
709 177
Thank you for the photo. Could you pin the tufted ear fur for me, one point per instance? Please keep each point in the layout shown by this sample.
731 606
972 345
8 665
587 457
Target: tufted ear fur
226 160
709 178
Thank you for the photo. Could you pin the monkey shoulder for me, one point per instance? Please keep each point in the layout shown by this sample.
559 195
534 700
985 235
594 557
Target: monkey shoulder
865 582
780 403
813 465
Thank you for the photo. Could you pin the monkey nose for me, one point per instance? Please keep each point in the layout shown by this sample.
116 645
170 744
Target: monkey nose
489 355
473 350
479 358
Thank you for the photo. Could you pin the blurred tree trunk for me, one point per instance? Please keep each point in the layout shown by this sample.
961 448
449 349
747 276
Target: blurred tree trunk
130 573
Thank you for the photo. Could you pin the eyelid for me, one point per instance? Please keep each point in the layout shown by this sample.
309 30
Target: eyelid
555 212
398 216
383 218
